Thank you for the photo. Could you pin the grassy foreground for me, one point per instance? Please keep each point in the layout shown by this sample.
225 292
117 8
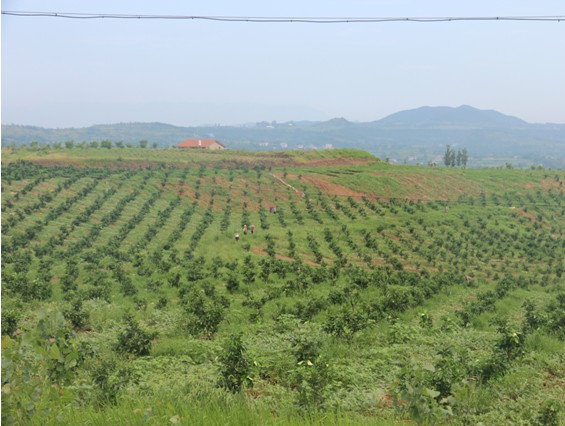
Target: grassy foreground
367 293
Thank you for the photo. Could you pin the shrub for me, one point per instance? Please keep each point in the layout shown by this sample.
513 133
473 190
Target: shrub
311 380
232 283
133 340
345 323
110 377
548 414
75 313
556 316
305 344
204 314
10 318
234 366
415 396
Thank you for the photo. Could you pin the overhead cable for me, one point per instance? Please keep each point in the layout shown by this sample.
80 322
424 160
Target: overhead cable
274 19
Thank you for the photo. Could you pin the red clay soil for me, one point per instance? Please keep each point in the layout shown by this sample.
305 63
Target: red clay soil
329 188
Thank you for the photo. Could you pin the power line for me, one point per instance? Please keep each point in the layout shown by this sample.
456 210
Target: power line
275 19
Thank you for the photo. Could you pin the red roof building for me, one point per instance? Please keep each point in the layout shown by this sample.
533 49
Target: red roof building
211 144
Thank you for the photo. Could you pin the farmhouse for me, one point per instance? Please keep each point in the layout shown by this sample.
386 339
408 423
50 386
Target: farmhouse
211 144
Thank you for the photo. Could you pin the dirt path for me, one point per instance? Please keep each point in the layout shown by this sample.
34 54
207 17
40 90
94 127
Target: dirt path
287 184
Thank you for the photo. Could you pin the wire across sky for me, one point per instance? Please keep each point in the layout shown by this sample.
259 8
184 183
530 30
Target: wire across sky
274 19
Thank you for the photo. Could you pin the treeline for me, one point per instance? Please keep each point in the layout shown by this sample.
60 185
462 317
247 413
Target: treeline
106 143
452 158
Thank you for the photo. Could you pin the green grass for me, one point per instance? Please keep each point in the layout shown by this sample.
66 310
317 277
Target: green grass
500 224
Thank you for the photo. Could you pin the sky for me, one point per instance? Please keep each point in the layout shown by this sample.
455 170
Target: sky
75 73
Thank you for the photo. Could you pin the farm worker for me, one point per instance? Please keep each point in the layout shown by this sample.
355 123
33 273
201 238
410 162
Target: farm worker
244 229
252 229
237 237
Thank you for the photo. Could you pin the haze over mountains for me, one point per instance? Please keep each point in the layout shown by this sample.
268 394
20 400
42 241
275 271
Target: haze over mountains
412 136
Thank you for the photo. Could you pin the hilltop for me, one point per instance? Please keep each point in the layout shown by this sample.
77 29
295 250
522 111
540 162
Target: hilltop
441 117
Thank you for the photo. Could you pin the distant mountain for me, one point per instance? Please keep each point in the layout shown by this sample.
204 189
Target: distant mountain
413 136
334 123
463 117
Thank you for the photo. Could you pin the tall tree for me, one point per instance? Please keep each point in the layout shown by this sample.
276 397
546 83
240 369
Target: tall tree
447 156
464 157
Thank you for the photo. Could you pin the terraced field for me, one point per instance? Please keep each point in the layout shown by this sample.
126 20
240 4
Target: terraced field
367 293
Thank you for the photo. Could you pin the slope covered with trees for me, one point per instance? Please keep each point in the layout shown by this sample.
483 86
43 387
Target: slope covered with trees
366 293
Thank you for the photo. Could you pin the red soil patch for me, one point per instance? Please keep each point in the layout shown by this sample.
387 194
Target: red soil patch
330 188
527 214
551 183
386 401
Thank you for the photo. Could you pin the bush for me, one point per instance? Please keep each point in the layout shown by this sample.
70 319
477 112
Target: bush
548 414
345 323
133 340
36 289
232 283
204 314
75 313
305 343
311 380
234 368
10 319
110 377
414 395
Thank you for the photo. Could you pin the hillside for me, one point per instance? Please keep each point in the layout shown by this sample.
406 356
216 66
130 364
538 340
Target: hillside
358 292
414 136
441 117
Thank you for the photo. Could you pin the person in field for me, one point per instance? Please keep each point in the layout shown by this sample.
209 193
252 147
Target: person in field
237 237
252 229
244 229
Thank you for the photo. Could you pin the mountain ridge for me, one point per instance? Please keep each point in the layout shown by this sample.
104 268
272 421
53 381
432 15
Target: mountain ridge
417 135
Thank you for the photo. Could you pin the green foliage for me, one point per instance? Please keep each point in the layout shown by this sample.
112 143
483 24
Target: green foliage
24 385
548 414
110 377
35 289
36 365
305 343
232 282
509 346
556 316
345 323
203 313
415 397
132 339
76 314
384 283
234 365
511 341
11 315
312 380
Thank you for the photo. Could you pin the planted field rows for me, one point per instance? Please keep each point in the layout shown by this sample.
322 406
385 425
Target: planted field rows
375 292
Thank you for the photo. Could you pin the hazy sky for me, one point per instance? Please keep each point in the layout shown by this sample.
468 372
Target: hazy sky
73 73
